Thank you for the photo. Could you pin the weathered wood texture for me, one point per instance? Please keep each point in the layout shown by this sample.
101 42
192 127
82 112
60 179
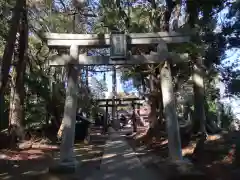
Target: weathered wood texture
118 105
69 117
105 60
120 99
174 141
96 40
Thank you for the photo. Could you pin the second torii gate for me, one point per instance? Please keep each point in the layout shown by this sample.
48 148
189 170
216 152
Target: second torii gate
119 56
118 102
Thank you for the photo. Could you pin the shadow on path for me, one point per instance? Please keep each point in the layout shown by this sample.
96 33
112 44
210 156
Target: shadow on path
119 162
89 156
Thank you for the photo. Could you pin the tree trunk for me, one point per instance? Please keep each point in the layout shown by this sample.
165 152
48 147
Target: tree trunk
56 120
197 73
53 99
219 112
152 117
48 115
154 123
2 113
9 48
154 102
167 15
8 52
153 113
199 97
16 115
3 118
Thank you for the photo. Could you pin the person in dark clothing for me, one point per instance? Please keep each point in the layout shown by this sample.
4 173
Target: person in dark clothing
81 128
102 119
97 120
123 119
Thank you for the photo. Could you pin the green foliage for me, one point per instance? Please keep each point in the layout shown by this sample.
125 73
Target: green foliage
231 79
212 107
227 117
97 88
231 31
35 110
231 25
45 86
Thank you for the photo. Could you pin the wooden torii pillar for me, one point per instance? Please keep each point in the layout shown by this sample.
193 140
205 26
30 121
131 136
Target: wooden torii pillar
74 41
67 157
106 118
134 117
114 94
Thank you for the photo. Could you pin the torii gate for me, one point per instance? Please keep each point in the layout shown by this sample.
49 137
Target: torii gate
118 102
118 44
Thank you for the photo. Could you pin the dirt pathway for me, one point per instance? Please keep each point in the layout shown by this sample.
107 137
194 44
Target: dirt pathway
34 163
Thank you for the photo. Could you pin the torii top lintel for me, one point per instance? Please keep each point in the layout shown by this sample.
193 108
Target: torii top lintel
120 99
103 40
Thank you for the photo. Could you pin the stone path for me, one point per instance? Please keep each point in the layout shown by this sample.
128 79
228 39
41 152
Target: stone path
119 162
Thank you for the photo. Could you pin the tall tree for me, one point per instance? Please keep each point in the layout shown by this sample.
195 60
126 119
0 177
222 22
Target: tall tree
9 47
204 52
8 53
16 114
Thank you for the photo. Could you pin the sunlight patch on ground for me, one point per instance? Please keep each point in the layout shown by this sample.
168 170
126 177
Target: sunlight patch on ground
105 156
3 174
35 172
164 142
79 155
133 154
22 155
92 159
213 137
129 155
94 152
189 149
6 177
82 149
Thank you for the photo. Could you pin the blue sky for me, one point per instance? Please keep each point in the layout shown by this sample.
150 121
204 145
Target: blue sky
109 82
232 55
120 86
